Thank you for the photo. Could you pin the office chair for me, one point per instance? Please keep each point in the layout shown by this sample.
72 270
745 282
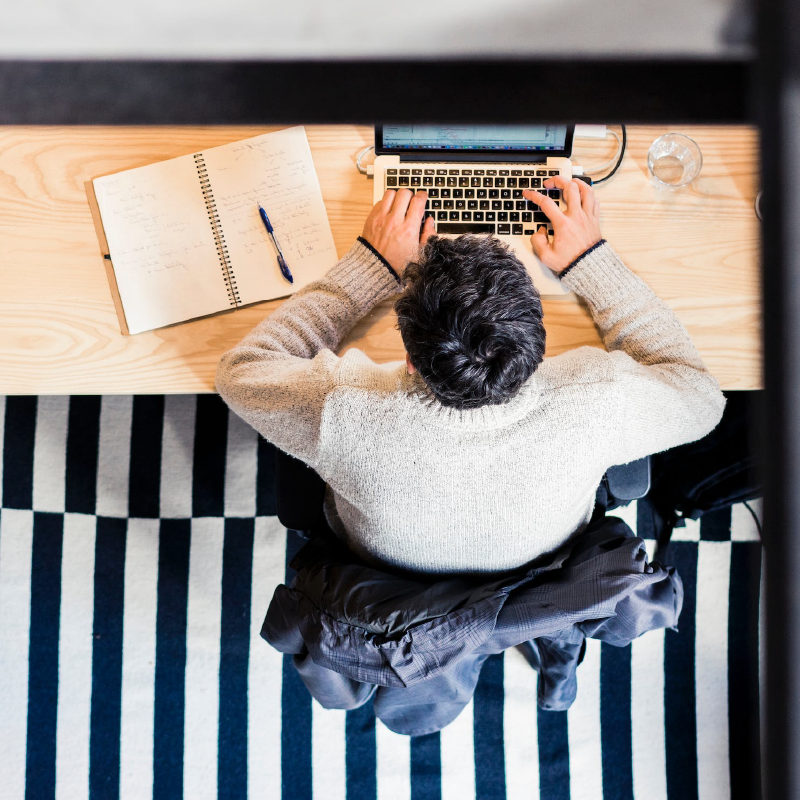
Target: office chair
300 494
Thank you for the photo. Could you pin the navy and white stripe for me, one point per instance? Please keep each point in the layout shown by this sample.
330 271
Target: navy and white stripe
138 553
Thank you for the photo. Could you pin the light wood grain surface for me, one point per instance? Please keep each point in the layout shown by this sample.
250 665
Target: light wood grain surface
698 249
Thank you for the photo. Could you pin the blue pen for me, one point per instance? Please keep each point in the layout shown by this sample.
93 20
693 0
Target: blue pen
281 260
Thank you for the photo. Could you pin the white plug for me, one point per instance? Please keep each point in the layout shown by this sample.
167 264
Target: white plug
591 131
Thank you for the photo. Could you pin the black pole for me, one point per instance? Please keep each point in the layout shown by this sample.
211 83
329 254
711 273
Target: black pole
779 97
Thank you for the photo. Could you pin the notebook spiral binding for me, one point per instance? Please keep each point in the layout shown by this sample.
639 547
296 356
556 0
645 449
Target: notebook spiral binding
216 227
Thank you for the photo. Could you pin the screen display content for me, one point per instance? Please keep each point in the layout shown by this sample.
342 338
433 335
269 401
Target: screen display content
474 137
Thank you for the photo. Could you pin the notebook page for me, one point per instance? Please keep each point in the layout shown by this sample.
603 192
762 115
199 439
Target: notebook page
276 170
161 244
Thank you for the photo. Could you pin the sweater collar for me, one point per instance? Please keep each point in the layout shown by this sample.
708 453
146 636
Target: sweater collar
483 418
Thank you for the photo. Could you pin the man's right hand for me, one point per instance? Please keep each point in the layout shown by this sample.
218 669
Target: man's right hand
574 230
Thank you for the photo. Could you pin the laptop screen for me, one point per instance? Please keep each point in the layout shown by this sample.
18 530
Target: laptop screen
497 141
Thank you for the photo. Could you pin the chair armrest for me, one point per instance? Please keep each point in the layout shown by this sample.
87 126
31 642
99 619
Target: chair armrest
629 481
300 493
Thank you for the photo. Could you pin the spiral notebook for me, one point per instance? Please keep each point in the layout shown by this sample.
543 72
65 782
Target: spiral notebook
183 238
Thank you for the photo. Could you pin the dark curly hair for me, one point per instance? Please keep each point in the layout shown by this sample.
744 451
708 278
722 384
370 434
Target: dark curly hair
471 321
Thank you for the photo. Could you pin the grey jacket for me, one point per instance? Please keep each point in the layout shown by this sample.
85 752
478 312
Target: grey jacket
352 628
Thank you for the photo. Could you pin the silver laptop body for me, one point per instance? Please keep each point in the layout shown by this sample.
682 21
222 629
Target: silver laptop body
475 175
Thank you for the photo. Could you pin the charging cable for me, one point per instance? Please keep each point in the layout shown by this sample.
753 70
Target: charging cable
616 161
611 161
369 170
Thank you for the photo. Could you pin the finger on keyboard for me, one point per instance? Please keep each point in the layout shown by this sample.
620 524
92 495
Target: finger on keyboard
547 204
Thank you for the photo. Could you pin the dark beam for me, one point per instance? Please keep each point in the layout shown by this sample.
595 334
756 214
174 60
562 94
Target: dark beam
215 92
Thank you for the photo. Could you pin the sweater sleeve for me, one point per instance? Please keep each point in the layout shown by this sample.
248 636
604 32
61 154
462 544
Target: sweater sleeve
278 377
663 395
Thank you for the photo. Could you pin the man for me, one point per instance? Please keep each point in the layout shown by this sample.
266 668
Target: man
476 454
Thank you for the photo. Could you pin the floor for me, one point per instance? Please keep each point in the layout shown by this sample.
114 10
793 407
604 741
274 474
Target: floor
138 553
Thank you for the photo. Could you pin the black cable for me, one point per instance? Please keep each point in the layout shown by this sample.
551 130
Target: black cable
619 160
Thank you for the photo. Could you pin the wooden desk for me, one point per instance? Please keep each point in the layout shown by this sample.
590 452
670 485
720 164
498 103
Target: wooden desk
698 249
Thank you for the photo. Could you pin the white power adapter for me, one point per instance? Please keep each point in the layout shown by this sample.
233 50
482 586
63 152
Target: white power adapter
591 131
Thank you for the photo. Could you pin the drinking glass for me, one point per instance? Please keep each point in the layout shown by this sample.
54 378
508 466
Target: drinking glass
674 161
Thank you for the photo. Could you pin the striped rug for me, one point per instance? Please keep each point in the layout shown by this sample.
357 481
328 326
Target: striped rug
138 553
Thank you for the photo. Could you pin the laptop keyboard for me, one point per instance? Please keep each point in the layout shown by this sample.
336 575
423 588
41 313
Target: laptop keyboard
466 200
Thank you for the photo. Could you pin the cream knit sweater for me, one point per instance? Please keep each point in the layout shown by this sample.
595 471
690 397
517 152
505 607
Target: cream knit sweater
429 488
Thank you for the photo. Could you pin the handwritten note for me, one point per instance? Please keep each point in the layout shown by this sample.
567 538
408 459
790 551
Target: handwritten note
162 247
166 251
277 171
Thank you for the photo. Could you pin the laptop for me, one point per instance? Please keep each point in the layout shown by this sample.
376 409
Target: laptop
475 175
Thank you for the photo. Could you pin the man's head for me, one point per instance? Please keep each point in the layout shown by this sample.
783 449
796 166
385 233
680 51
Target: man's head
471 321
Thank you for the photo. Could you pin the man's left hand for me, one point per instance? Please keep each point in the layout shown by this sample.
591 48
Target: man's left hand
393 227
